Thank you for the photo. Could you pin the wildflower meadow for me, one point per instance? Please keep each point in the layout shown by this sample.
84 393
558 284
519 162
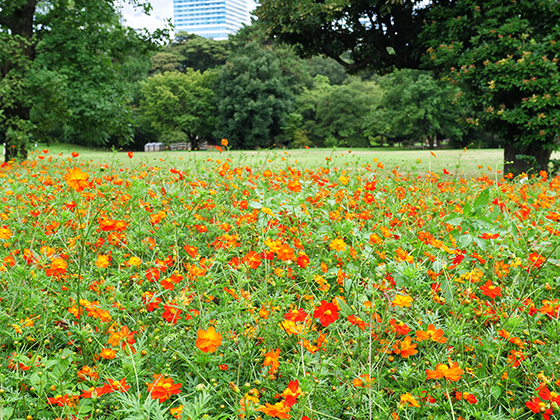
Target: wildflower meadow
224 291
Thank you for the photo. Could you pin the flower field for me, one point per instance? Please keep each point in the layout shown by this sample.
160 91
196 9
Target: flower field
224 292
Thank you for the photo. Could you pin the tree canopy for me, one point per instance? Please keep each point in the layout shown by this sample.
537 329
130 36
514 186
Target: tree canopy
60 68
180 102
502 54
253 98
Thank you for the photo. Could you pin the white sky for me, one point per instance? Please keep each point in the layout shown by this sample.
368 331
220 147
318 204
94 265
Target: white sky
162 10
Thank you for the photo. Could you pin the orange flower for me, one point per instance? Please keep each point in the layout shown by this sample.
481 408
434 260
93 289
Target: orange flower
76 179
408 400
452 372
431 334
402 300
163 388
57 268
5 233
278 410
177 412
362 381
134 262
327 313
107 353
224 142
337 245
209 340
271 359
130 154
103 261
501 269
405 348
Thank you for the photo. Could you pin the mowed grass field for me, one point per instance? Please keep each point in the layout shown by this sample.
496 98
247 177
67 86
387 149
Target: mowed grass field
462 163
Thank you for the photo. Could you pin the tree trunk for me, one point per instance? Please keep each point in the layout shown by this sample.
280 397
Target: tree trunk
536 158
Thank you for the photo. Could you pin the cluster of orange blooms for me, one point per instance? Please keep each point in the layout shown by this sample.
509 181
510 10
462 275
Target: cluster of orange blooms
321 285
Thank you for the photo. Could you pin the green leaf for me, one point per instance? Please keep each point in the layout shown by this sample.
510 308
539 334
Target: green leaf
465 241
496 391
345 310
6 412
454 221
255 205
481 200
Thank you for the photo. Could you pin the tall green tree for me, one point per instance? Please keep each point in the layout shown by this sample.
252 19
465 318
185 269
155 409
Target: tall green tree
502 54
182 102
253 98
59 64
504 57
417 107
334 115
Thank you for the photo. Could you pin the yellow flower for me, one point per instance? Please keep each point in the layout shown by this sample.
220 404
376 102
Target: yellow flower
402 300
337 245
409 400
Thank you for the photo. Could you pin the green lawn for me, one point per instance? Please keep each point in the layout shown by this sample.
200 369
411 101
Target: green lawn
473 162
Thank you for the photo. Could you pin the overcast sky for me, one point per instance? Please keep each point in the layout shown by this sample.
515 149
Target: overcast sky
162 10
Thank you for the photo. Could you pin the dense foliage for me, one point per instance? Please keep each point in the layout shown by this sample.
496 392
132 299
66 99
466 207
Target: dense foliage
502 54
221 291
59 72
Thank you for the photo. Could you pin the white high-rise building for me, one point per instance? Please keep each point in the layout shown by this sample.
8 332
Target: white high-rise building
210 18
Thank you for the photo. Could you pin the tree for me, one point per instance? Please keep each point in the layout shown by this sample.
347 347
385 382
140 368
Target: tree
199 53
504 57
253 98
416 107
182 102
374 34
502 54
59 65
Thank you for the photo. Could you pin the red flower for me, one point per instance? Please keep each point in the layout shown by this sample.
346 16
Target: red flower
535 406
302 260
171 313
163 388
488 289
327 313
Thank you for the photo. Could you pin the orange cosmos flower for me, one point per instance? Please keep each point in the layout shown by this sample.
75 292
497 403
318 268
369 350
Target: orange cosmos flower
278 410
103 261
57 268
130 155
134 262
75 154
107 353
408 400
337 245
209 340
535 260
405 348
271 359
452 372
172 314
431 334
5 233
362 381
501 269
224 142
402 301
76 179
163 388
177 412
